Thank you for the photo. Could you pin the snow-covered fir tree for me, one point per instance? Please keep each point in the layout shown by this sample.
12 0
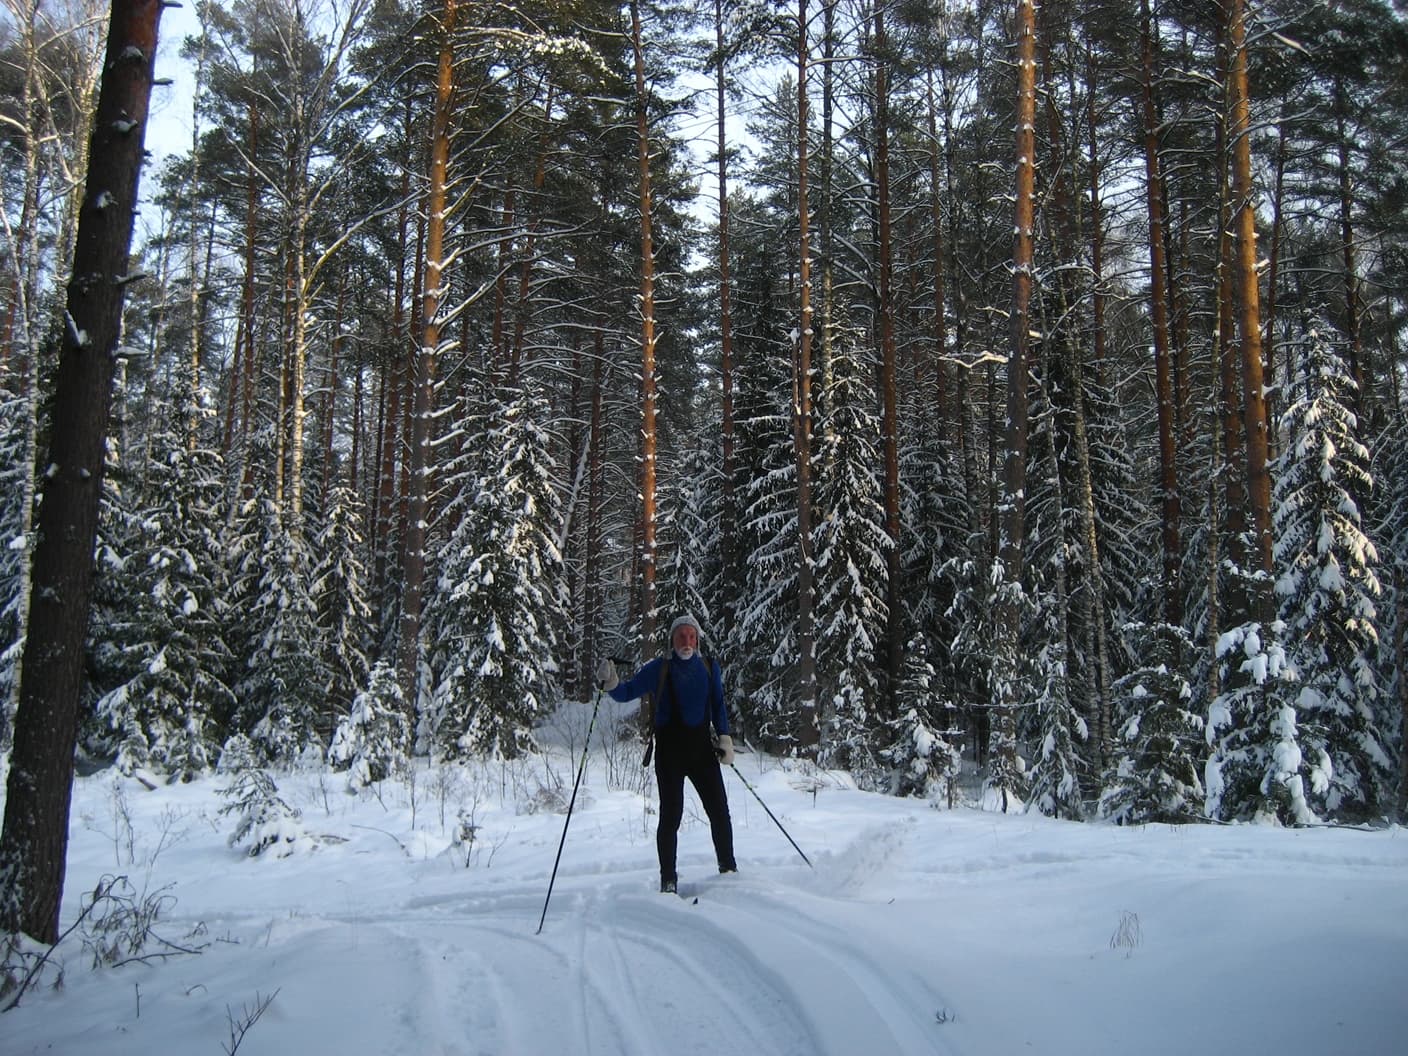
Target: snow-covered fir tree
493 619
14 548
1257 770
850 549
764 627
164 620
372 739
1158 737
687 544
1055 724
263 820
1328 584
934 536
1391 526
340 592
923 752
1012 686
281 688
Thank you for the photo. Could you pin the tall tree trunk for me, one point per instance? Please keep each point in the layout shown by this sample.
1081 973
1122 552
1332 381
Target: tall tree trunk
34 842
1231 607
936 209
242 367
1352 299
393 370
729 518
1400 654
591 573
418 455
1255 424
889 404
808 734
1273 270
1171 587
1003 750
647 343
530 242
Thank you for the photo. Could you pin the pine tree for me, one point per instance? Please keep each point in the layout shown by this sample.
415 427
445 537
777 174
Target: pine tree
1328 584
1158 737
371 739
498 606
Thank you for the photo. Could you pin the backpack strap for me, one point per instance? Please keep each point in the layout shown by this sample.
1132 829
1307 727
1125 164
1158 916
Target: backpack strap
654 703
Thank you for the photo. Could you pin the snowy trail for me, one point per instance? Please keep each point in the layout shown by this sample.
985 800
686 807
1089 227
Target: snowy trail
621 969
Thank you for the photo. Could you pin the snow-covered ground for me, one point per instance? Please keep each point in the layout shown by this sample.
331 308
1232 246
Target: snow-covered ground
918 931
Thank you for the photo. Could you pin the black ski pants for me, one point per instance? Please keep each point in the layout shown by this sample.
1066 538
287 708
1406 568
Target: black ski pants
680 752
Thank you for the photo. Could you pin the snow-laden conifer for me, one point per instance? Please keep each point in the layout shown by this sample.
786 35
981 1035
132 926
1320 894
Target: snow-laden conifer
371 740
1257 770
263 820
923 752
1391 526
687 540
850 549
1158 746
340 592
14 546
164 611
495 614
764 625
1328 585
282 685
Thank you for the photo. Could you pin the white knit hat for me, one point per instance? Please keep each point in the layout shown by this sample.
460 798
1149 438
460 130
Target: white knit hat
685 621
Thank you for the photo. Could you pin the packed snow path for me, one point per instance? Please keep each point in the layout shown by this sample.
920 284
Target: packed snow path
732 965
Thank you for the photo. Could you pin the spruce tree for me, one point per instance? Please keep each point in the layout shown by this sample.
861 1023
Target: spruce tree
688 543
923 752
165 617
1328 583
13 551
371 740
340 592
851 546
1158 736
496 613
282 684
1257 769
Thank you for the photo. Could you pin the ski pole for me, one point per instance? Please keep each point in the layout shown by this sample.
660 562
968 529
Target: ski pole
750 788
581 768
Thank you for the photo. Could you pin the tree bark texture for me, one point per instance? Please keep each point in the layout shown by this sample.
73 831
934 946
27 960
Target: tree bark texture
647 343
35 838
418 456
889 403
1247 298
808 735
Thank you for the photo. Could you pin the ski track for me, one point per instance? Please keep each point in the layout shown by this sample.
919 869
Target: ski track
746 966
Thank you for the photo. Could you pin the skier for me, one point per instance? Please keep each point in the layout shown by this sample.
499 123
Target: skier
688 694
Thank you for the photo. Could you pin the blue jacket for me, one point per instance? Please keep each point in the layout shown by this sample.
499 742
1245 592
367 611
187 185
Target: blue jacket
695 686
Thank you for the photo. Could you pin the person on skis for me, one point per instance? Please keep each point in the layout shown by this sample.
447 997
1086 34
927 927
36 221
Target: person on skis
688 695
